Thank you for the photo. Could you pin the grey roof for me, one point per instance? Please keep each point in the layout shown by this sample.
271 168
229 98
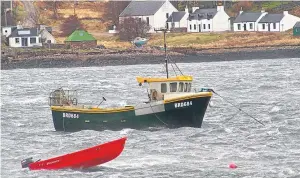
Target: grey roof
271 18
141 8
247 17
18 32
176 16
297 24
203 14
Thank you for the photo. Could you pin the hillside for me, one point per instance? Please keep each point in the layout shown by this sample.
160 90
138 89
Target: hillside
94 17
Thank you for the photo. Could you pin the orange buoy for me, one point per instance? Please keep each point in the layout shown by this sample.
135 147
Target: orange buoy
232 166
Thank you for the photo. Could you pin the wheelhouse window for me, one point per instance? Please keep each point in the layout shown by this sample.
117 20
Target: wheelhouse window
163 88
189 87
186 87
181 86
173 87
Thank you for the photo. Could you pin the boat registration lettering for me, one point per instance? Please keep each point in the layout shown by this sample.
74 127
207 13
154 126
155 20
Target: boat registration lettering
70 115
183 104
52 162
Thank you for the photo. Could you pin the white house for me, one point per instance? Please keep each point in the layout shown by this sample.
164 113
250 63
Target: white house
47 37
277 22
247 21
25 37
178 20
208 20
155 13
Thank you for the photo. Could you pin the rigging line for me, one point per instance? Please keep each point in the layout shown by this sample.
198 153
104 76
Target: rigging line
173 69
175 64
238 108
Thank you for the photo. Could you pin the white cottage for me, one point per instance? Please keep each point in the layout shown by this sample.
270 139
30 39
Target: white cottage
208 20
277 22
177 21
155 13
247 21
25 37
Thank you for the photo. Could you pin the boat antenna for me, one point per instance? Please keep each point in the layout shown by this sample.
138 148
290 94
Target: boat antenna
103 99
164 30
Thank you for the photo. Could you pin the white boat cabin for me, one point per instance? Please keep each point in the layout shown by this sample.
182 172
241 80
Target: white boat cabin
166 88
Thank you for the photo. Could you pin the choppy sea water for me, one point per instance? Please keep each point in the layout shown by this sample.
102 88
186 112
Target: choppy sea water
269 90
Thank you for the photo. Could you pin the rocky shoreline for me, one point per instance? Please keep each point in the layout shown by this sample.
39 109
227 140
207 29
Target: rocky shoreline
131 57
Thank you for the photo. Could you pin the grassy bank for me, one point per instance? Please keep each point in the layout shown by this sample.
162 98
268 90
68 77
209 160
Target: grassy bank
207 40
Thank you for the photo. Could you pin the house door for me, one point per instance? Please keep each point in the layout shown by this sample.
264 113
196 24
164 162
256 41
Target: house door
24 41
245 28
200 28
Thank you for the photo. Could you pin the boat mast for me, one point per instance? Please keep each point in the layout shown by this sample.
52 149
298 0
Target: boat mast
164 30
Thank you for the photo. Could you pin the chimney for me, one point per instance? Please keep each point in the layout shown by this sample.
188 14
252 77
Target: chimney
262 11
194 9
220 8
19 26
241 11
186 9
285 12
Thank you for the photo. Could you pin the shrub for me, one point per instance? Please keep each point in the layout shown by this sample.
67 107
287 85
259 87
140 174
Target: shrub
130 28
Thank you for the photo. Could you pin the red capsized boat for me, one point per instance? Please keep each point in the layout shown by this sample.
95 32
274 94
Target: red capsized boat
81 159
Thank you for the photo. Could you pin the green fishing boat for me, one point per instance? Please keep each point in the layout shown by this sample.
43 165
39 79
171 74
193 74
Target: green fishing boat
172 103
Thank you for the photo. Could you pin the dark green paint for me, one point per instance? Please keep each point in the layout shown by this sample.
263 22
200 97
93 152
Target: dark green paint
188 116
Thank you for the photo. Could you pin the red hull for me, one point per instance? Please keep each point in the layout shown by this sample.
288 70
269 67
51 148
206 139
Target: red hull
84 158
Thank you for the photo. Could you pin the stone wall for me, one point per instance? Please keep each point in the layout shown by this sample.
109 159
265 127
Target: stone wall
82 44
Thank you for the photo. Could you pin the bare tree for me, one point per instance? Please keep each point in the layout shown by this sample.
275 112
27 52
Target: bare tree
70 24
113 9
129 28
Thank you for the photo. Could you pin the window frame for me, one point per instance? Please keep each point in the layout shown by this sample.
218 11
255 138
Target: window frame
172 87
165 88
181 87
32 39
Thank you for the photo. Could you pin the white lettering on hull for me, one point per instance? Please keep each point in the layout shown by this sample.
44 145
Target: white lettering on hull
183 104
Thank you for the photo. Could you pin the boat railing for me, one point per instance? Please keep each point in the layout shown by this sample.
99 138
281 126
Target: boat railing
61 97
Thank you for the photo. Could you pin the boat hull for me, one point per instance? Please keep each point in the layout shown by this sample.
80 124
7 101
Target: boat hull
187 112
83 159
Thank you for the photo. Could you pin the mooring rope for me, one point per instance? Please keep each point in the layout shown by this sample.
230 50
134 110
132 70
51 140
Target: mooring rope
237 107
156 115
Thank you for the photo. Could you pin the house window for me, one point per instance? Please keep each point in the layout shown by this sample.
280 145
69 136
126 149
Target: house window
263 26
274 25
204 26
181 87
17 40
190 27
173 87
239 26
195 27
208 26
167 25
147 20
251 26
163 88
32 40
167 15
